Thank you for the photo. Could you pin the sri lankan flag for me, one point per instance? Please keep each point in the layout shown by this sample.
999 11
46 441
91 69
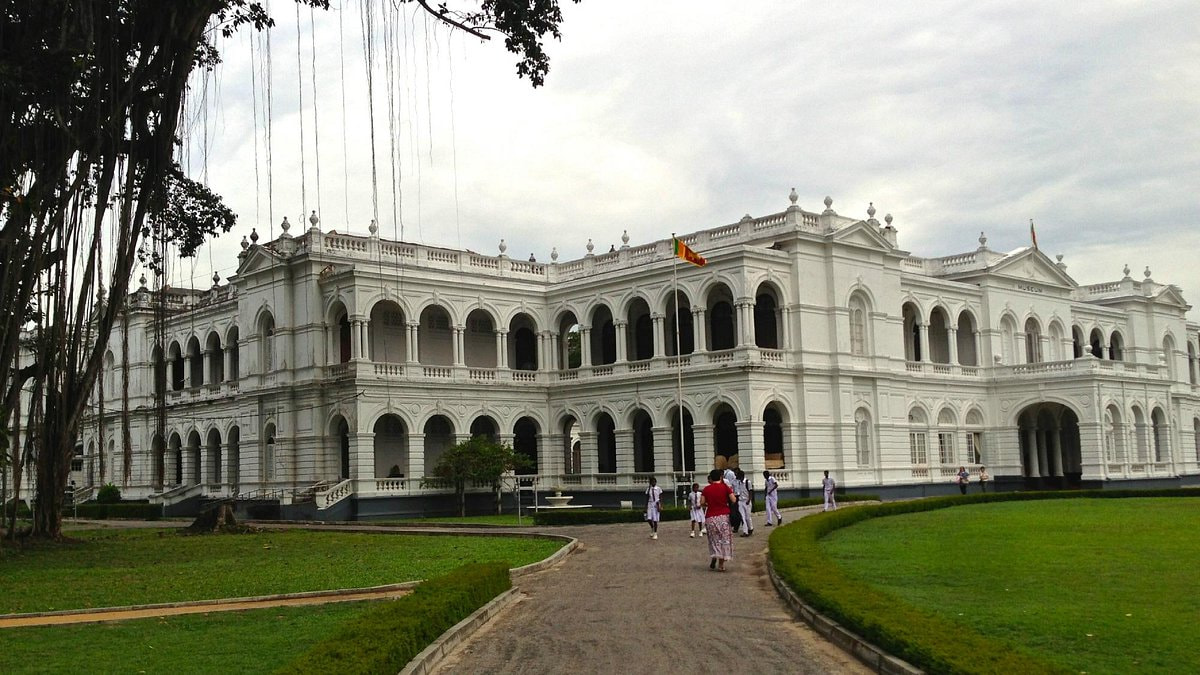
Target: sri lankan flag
683 252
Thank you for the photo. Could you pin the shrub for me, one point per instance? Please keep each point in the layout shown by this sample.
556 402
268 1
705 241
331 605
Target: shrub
389 635
108 494
902 630
127 510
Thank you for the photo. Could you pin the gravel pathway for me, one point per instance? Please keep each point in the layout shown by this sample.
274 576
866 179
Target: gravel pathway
624 603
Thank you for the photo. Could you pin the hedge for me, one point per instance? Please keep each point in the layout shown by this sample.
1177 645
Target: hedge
129 510
927 641
386 637
557 517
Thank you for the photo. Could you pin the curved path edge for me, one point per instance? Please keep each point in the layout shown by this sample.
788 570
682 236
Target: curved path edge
124 612
432 655
850 642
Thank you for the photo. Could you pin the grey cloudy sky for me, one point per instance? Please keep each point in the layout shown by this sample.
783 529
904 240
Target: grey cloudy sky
955 117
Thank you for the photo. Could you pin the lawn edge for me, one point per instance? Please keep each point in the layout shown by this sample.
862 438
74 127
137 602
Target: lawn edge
431 656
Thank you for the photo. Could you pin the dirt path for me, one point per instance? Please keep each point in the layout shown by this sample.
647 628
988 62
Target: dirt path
230 606
624 603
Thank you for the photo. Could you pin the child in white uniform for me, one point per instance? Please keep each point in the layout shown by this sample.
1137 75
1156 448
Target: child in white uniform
697 511
744 505
653 506
772 498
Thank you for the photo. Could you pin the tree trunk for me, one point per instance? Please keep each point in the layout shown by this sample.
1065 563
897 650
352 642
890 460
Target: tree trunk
461 489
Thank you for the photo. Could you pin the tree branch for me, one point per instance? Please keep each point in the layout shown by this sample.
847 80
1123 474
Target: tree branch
444 17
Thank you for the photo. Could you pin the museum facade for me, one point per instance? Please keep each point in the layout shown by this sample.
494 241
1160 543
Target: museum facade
342 366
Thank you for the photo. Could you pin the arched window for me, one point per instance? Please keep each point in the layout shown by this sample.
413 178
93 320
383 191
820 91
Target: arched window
918 437
858 325
1076 342
975 437
1191 362
1139 434
1196 436
1162 447
946 424
1033 341
967 354
1056 342
1116 347
1008 340
912 332
1112 433
267 336
1169 356
1096 342
862 436
939 336
268 458
766 320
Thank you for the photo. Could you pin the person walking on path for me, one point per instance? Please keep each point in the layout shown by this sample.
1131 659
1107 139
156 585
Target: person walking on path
653 506
695 511
964 477
828 486
716 498
744 505
983 478
771 488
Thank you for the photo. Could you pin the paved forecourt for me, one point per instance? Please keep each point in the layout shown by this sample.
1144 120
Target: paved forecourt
624 603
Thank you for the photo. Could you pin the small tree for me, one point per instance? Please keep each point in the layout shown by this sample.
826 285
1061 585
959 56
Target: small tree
479 460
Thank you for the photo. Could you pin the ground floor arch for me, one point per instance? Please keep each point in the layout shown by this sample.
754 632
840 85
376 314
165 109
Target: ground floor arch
392 458
525 443
1050 446
725 437
606 444
683 457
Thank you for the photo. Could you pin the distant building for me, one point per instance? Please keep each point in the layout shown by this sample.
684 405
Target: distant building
345 365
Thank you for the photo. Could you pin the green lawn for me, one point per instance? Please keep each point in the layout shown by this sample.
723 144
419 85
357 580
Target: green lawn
1093 585
258 641
124 567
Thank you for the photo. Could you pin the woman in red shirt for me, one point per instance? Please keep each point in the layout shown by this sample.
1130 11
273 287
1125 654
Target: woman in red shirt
716 498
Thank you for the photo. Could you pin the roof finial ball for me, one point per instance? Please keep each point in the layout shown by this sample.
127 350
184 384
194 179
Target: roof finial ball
142 280
793 197
1126 270
245 244
829 207
625 239
503 247
982 240
870 209
590 247
373 228
254 235
216 279
554 254
1147 273
285 225
313 220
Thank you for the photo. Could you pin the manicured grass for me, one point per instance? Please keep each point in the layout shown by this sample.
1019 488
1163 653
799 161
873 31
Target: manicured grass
1095 585
259 641
124 567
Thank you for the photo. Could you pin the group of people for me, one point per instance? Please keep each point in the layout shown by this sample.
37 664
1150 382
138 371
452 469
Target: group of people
724 506
963 477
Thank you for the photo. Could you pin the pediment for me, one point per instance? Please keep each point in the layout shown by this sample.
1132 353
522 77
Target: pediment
862 234
1033 265
1171 295
257 258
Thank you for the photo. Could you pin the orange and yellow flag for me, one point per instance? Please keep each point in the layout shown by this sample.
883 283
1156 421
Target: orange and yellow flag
682 251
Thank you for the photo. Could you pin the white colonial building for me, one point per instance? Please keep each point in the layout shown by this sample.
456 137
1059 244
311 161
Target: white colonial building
345 364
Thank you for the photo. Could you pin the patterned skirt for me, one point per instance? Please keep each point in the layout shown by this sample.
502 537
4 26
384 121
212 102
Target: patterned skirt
720 537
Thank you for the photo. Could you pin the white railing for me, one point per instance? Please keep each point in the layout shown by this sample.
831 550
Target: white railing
327 498
920 472
177 494
524 376
389 369
482 374
440 372
602 371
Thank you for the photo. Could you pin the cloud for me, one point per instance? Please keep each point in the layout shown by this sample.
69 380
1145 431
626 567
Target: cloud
956 117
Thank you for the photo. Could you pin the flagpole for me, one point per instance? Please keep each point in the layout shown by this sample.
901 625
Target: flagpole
678 360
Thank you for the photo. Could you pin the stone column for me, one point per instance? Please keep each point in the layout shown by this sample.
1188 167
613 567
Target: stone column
785 318
1055 450
502 348
750 446
230 374
952 339
1042 459
458 346
362 456
589 452
979 360
624 450
412 341
924 332
585 348
663 453
554 360
659 335
206 359
699 329
187 371
542 341
744 327
705 452
551 457
1020 356
622 347
1030 452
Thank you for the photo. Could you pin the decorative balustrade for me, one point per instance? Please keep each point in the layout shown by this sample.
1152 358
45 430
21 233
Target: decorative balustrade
724 356
602 371
482 374
639 366
438 372
920 472
389 369
772 355
524 376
